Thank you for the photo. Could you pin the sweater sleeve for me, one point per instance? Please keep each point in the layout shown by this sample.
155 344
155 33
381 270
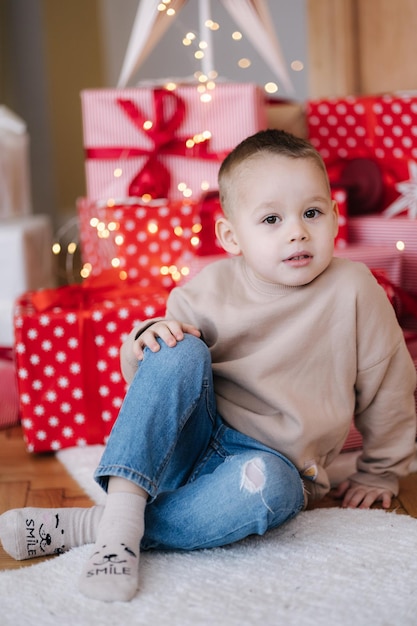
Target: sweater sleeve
385 416
178 308
385 411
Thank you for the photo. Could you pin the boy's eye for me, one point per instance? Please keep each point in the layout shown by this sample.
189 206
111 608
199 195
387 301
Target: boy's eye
311 213
271 219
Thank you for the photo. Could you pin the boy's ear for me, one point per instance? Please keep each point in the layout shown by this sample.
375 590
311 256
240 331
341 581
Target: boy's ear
226 235
336 217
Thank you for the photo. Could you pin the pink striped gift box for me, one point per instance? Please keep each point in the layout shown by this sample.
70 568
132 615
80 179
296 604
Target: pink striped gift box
9 397
150 141
384 258
398 233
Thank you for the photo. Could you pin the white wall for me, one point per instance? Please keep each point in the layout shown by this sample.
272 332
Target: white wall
171 59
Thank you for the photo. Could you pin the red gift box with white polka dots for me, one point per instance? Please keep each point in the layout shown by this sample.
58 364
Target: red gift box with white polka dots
67 343
367 142
146 240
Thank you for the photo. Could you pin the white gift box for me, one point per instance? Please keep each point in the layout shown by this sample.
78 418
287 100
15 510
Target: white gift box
15 194
26 263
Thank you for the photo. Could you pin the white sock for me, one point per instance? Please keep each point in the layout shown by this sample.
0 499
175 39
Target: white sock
112 572
31 532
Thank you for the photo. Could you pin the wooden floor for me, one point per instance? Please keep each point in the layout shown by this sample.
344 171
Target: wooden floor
32 480
40 480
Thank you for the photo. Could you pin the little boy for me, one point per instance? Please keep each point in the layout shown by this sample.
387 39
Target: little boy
244 393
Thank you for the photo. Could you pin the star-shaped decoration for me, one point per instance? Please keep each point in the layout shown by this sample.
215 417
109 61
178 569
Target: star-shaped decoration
408 198
253 17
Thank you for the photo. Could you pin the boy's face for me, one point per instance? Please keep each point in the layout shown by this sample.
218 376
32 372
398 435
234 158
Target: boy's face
282 220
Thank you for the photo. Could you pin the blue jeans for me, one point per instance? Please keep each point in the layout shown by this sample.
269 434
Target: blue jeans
208 484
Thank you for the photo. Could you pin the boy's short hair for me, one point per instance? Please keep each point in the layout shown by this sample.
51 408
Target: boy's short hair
271 141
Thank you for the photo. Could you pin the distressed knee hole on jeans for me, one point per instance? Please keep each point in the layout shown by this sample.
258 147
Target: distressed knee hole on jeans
253 475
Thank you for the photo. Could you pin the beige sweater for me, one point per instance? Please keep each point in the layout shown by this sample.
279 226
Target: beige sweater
292 365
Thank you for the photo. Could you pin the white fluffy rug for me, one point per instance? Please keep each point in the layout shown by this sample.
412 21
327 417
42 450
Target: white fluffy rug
327 567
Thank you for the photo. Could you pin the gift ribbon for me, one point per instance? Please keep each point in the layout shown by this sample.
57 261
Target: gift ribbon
154 178
93 290
6 354
388 168
407 300
81 297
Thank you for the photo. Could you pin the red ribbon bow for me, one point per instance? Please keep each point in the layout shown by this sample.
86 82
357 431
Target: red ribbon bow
169 112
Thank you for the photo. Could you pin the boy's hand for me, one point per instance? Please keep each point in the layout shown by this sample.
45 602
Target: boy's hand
170 331
361 496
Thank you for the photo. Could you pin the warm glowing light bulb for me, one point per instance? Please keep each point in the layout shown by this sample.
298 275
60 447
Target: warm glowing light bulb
297 66
153 227
115 262
400 245
244 63
237 36
72 246
117 172
271 87
56 248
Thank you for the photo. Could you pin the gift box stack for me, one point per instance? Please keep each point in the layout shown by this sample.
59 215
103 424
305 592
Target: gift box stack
369 146
151 156
25 249
67 344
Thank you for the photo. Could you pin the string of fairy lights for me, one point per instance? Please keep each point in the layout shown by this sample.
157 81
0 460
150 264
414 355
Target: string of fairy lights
205 85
